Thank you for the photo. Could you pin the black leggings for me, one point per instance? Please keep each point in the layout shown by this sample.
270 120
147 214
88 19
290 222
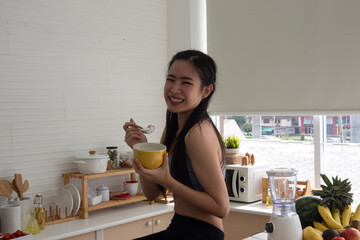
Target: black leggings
187 228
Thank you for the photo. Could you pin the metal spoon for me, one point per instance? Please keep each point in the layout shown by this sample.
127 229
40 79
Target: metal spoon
147 130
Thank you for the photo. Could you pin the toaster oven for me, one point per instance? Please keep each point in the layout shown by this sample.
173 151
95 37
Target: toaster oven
243 182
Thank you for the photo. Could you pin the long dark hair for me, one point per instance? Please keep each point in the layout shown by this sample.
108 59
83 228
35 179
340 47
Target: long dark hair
206 68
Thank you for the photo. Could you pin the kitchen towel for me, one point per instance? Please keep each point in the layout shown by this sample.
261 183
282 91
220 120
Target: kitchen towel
26 205
10 216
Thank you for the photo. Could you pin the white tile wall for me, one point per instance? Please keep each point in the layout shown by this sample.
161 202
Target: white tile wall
71 73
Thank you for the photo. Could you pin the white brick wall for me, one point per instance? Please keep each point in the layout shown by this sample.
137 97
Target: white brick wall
71 73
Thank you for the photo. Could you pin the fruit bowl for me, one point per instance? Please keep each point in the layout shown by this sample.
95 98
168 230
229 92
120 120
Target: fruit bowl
18 235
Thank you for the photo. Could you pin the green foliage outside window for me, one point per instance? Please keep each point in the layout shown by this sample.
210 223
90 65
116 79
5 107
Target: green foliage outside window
231 141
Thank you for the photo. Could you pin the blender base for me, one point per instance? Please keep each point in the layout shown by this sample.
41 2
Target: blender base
285 228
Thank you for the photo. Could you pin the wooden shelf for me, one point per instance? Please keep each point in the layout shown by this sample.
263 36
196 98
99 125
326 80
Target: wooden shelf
85 208
112 203
108 173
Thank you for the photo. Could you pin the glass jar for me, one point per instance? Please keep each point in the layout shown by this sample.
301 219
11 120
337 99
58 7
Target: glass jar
112 153
104 191
33 225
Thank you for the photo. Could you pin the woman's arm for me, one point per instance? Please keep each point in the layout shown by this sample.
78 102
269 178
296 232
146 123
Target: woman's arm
150 188
204 150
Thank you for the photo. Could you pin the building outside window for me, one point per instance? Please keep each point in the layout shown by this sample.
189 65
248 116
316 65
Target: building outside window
290 141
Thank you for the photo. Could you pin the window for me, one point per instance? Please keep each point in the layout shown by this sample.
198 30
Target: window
289 141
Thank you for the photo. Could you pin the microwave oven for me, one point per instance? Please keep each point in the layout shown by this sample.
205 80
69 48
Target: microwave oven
244 182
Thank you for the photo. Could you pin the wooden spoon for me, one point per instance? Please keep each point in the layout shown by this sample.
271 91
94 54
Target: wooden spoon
15 188
20 186
6 188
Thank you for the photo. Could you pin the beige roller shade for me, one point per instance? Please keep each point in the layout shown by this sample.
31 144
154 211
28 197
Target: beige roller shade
293 56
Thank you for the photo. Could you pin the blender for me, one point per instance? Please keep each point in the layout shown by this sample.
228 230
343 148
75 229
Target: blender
284 222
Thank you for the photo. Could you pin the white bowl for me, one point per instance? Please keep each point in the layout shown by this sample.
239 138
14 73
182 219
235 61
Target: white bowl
94 200
131 187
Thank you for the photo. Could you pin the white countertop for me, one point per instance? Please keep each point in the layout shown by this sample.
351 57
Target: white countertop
257 208
103 218
258 236
109 217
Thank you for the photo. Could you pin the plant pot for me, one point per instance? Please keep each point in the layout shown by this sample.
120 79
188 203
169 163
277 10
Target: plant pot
233 155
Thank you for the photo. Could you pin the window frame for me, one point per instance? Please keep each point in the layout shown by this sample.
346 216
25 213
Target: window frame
319 131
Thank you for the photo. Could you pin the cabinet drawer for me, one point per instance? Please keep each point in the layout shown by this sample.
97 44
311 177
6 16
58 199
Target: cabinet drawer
129 230
241 225
161 222
85 236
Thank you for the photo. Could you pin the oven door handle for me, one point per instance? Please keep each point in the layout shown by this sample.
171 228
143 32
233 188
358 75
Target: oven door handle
234 183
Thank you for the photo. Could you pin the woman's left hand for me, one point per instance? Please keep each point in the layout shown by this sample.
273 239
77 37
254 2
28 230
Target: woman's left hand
159 175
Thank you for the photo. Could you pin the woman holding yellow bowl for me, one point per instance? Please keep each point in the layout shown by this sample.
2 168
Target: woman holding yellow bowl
194 167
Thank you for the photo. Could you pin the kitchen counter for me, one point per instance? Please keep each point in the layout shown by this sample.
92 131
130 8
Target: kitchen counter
110 217
257 208
258 236
103 218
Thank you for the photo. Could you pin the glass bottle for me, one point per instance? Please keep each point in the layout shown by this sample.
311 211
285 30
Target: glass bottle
268 199
39 211
112 153
33 225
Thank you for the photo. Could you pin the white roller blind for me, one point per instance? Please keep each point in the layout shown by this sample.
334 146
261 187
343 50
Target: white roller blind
285 55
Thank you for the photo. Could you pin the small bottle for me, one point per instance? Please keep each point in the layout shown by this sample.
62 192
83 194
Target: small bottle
33 225
39 211
268 199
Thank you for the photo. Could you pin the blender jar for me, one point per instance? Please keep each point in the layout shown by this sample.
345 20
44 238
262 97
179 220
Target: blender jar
283 185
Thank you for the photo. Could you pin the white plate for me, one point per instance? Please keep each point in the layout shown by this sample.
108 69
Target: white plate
64 199
75 195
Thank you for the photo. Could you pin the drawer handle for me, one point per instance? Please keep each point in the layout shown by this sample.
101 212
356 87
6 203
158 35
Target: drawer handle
149 223
157 222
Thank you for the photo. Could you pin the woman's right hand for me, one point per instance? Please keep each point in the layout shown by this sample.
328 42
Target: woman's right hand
133 135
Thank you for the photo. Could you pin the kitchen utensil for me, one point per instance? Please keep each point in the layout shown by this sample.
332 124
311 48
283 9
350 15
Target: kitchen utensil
151 155
64 201
284 221
26 206
95 200
75 195
6 188
15 188
10 218
131 187
147 130
92 163
21 187
104 191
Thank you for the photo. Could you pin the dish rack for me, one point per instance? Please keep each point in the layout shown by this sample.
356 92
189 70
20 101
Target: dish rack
84 207
303 188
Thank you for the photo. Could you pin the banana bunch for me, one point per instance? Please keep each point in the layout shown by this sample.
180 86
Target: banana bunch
356 216
335 219
310 233
327 216
345 216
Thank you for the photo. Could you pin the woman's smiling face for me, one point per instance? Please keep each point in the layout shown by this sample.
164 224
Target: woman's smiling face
183 90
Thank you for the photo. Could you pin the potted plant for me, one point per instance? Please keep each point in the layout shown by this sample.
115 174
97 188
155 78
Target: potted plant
232 150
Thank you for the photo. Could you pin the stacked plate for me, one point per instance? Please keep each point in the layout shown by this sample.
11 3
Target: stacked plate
69 199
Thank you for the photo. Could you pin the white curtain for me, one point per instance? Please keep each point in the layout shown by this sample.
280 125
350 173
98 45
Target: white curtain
285 56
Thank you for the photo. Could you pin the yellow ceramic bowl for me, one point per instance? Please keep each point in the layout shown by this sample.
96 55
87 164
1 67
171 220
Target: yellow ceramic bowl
151 155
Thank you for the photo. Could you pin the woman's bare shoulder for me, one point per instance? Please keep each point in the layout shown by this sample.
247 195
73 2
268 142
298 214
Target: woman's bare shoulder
200 133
